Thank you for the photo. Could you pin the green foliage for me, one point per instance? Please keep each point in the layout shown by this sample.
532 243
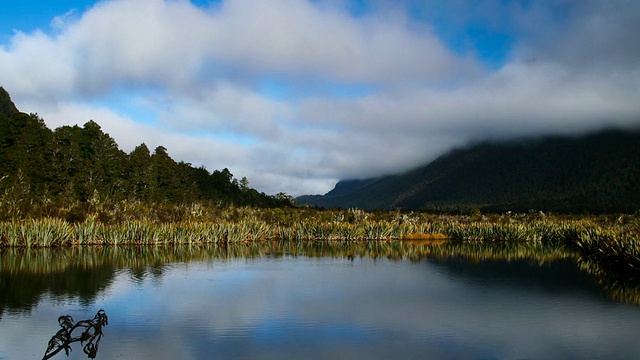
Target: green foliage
24 159
7 107
81 168
475 214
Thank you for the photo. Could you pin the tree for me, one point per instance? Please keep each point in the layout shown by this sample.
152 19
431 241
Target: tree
75 163
66 162
23 142
173 181
87 160
104 161
140 174
7 107
244 184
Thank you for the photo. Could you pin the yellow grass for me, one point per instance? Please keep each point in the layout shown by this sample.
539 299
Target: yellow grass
425 236
420 238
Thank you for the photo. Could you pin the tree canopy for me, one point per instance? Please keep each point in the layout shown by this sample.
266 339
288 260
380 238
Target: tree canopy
73 163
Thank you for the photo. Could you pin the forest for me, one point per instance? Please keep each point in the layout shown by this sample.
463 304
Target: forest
71 167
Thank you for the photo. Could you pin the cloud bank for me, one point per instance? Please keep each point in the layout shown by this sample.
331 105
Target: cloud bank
296 94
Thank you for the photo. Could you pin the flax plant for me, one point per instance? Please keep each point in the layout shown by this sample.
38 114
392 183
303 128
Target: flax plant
51 232
612 250
237 232
87 232
27 234
11 234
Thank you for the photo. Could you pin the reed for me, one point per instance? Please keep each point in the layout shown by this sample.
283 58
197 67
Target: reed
237 232
605 246
87 232
612 251
52 232
613 242
10 236
35 233
378 230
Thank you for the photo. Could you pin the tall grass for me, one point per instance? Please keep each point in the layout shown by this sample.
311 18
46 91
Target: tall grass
612 243
255 226
611 250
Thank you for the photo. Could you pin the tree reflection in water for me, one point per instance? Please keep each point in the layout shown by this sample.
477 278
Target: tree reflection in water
26 274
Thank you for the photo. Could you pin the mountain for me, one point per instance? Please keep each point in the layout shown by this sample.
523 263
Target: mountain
599 173
7 107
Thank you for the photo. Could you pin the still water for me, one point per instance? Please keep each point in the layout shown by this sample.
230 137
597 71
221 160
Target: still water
283 303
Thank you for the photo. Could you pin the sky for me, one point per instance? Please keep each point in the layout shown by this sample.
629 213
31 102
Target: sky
298 94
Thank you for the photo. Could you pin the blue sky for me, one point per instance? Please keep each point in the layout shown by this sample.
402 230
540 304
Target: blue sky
30 15
297 94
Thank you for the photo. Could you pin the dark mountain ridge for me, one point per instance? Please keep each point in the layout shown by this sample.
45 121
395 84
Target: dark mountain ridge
7 107
598 172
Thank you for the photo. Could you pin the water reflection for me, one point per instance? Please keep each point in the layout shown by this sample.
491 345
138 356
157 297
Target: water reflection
26 274
319 300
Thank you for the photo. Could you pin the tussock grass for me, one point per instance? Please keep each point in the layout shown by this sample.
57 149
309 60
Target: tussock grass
610 242
246 225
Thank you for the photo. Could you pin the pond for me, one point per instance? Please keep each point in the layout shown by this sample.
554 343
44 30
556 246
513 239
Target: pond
316 301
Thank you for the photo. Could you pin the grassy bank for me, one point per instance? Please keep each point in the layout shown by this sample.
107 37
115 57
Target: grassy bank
583 232
201 225
611 242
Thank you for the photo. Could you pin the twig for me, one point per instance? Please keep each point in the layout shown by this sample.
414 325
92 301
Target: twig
89 338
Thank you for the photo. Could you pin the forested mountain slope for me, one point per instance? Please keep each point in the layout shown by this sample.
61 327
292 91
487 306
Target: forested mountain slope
599 172
75 164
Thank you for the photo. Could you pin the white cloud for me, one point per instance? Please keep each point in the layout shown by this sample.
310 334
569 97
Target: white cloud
173 43
199 73
229 107
34 66
298 37
199 150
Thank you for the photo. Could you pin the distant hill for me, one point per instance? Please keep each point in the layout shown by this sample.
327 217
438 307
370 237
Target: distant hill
597 173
